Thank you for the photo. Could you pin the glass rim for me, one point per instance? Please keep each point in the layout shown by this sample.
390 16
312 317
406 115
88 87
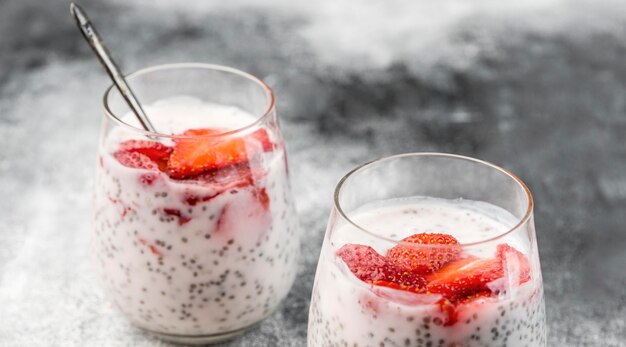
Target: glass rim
269 93
521 221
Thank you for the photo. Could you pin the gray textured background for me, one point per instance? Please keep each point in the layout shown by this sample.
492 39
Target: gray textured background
538 87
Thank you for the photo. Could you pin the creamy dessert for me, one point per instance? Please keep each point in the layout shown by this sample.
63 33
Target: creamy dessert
430 289
196 233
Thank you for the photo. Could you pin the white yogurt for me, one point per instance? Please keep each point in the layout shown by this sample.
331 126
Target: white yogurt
347 311
178 265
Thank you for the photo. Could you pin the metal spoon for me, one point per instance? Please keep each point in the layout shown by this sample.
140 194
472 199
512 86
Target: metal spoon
94 40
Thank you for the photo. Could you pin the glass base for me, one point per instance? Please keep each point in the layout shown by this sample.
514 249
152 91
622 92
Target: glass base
199 339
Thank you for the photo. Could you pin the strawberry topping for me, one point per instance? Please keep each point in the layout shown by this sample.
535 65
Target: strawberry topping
227 179
201 152
156 152
425 259
364 262
471 298
223 163
459 278
462 278
369 266
397 278
198 156
135 160
514 263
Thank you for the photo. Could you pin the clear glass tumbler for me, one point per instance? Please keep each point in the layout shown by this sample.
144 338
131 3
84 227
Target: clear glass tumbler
429 249
195 229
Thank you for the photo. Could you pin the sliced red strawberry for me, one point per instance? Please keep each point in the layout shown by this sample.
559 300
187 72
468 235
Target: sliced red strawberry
263 138
369 266
465 277
423 257
397 278
226 179
364 262
514 263
471 298
157 152
195 155
452 310
135 160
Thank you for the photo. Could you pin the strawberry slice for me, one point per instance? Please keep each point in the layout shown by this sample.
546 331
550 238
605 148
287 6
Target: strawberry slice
468 277
156 152
263 138
465 277
451 311
234 175
459 281
397 278
195 155
227 179
514 263
364 262
135 160
369 266
471 298
425 259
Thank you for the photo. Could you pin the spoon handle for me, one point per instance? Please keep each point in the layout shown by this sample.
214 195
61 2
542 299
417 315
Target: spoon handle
94 40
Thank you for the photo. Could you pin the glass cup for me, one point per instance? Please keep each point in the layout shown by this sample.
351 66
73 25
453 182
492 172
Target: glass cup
195 229
429 249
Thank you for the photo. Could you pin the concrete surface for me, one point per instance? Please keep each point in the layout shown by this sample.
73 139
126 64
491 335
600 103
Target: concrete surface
539 88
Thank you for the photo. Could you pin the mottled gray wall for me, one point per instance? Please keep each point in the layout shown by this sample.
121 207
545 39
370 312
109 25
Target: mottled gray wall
539 88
